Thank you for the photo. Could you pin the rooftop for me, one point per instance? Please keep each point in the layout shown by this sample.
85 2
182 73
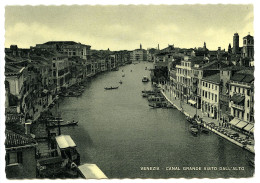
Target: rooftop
243 77
213 78
15 140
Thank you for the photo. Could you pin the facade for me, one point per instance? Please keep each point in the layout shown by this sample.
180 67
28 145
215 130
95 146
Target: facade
68 48
20 156
248 47
138 55
184 83
210 95
241 91
60 71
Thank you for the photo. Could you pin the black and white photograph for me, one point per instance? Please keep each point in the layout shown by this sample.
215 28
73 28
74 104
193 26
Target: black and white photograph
128 91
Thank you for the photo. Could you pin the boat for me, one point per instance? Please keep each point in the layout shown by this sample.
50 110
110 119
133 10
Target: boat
145 79
123 75
155 105
194 130
121 82
191 120
156 99
111 88
205 130
131 70
68 123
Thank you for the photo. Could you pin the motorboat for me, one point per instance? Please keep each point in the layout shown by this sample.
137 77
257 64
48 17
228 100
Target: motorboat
123 75
111 88
121 82
145 79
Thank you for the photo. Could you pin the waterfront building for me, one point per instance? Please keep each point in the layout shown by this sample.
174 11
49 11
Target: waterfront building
210 95
60 71
20 156
241 93
184 84
138 55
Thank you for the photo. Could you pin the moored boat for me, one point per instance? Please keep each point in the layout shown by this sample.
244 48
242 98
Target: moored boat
145 79
194 130
111 88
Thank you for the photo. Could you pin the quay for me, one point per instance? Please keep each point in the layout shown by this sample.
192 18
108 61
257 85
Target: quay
190 113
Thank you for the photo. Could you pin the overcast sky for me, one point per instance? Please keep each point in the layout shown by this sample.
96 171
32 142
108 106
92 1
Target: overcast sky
125 27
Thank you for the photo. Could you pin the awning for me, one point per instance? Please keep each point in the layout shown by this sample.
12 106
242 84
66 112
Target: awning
241 124
65 141
249 127
91 171
237 98
192 102
234 121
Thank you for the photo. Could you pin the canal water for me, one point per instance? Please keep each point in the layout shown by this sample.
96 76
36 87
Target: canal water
120 133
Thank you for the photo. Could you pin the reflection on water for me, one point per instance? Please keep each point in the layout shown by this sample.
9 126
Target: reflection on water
120 133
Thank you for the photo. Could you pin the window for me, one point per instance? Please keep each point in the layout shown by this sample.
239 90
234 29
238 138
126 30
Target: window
206 94
248 103
206 84
216 98
14 157
53 64
203 93
212 96
216 87
209 85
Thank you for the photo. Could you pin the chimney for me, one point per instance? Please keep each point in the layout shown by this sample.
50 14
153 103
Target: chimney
158 47
28 127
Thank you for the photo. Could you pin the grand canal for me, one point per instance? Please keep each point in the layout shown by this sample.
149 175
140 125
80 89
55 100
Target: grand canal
120 133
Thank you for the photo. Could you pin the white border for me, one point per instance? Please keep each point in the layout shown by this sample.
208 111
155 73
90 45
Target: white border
145 2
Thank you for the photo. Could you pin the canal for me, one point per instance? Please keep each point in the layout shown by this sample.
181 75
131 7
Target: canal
120 133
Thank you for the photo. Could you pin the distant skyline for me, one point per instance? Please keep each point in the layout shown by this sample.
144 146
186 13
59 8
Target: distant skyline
126 26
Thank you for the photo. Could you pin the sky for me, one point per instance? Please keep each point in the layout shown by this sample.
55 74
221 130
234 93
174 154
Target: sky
126 26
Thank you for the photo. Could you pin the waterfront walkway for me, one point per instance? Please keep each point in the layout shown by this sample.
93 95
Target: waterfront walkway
190 111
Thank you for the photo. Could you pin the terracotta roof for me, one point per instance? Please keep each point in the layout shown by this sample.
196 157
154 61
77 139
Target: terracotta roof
15 140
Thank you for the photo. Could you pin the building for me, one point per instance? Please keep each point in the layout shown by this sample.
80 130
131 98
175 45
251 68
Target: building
210 95
138 55
60 72
184 83
235 44
241 93
20 156
68 48
248 47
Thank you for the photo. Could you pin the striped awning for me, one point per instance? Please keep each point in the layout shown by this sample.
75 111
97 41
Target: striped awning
234 121
241 124
249 127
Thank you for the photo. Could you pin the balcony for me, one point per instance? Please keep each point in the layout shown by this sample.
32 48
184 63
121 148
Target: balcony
238 106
